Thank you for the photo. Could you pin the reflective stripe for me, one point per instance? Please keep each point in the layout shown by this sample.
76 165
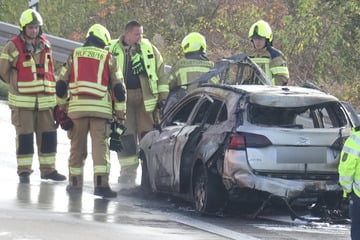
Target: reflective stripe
129 161
29 101
48 160
76 171
120 106
150 104
265 65
5 56
90 105
88 87
101 169
355 139
163 88
351 151
182 73
24 161
346 178
37 86
347 187
280 70
148 55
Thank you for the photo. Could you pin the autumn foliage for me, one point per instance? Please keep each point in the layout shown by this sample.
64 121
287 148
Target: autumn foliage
319 37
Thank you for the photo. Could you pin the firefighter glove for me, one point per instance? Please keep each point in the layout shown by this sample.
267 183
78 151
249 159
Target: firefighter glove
137 64
115 141
62 119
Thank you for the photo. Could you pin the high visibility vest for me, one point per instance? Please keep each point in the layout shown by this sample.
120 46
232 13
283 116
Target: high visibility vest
151 66
90 72
148 57
349 165
34 77
90 77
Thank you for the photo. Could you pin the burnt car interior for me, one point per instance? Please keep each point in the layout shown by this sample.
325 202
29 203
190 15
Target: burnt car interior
327 115
209 111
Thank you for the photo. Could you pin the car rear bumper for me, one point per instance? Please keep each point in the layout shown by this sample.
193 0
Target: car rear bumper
287 188
238 174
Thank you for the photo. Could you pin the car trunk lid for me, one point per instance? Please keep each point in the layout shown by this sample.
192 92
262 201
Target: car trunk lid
293 151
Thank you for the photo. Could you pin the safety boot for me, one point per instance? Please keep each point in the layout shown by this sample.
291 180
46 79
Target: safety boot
24 177
55 176
75 185
128 174
105 192
102 187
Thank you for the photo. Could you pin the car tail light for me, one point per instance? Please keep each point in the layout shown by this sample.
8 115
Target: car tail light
237 141
242 140
338 143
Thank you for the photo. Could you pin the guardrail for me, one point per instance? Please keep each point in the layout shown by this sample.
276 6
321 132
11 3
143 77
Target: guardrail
61 47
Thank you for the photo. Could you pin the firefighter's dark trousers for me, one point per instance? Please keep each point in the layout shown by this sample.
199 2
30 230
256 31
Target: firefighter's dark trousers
354 208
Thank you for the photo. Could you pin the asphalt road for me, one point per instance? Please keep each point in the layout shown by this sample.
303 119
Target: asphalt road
43 209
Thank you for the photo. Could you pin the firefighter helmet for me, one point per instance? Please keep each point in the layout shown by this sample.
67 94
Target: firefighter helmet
30 16
99 31
262 29
193 42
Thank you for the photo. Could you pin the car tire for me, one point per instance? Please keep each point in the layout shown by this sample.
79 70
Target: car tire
209 193
145 178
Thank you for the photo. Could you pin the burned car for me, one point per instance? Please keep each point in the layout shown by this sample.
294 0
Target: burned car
248 142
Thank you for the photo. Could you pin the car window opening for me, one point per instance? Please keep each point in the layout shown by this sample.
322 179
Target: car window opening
328 115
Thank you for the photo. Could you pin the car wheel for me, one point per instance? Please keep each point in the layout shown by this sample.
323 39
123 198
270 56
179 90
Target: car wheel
145 178
209 193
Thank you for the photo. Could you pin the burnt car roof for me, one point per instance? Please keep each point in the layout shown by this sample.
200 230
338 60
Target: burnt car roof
240 62
274 95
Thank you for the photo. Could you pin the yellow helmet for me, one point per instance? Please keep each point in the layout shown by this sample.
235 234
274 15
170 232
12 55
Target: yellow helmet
30 16
99 31
193 42
262 29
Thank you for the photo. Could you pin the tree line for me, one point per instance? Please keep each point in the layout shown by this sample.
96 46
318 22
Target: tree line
320 38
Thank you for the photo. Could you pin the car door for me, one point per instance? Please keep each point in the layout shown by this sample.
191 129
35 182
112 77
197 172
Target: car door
187 147
163 149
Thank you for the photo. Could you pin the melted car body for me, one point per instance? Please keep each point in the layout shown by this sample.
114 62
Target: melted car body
247 142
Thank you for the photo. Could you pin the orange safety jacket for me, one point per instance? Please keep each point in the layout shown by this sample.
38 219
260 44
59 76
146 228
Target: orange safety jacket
90 72
34 77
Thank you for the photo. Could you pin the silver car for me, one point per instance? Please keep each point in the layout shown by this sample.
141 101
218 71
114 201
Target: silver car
249 143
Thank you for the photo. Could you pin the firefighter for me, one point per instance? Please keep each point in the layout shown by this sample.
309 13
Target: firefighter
91 79
270 59
147 88
349 179
26 65
192 65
